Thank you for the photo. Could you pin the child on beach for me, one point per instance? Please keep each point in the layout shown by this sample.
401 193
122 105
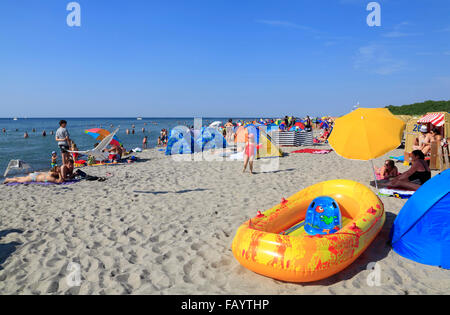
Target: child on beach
388 171
54 159
249 153
74 148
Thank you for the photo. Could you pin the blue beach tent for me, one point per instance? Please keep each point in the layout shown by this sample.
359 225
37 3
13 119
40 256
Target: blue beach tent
184 141
180 141
210 139
421 231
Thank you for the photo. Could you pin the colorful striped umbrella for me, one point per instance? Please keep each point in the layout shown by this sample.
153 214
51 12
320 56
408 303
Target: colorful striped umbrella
100 134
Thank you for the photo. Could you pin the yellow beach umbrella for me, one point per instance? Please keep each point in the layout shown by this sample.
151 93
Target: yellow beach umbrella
366 134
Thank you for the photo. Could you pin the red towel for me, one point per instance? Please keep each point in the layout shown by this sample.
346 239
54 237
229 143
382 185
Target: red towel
313 151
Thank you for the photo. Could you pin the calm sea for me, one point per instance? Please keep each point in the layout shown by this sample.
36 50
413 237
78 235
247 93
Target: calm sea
36 150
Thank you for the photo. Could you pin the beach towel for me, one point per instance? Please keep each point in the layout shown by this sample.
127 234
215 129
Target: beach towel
237 156
396 193
313 151
70 182
398 158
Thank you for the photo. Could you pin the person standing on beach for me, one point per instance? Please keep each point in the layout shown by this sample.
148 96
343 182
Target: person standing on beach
308 125
229 131
144 143
63 138
250 152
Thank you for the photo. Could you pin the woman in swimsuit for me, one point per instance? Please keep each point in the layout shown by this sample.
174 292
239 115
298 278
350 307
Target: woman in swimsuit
416 176
50 177
436 136
423 142
388 171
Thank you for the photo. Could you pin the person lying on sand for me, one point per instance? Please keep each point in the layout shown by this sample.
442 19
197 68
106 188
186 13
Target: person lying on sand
417 175
53 176
388 171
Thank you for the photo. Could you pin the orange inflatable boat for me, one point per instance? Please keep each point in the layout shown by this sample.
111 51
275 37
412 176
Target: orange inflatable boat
266 246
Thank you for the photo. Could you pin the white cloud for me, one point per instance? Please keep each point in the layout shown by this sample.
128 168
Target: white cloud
399 32
376 58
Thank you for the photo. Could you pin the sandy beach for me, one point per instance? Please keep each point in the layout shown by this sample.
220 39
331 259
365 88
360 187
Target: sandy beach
164 227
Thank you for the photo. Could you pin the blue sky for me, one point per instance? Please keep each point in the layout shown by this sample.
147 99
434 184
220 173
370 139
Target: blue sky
157 58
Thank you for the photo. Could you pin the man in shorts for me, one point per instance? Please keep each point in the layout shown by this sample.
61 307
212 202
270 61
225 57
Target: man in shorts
63 138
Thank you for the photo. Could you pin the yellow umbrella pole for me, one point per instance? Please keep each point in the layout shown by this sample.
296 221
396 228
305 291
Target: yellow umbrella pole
374 174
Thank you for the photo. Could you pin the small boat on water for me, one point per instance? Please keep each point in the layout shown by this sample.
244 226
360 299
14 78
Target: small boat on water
15 118
139 118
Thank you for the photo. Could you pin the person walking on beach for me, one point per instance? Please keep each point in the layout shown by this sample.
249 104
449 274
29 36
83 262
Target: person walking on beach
63 138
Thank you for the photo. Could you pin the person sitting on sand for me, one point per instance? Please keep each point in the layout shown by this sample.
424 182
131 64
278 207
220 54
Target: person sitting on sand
423 142
53 176
124 151
388 171
115 153
74 148
436 136
54 159
417 175
249 153
66 170
324 136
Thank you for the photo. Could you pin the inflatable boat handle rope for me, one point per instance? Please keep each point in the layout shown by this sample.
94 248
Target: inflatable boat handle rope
354 227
